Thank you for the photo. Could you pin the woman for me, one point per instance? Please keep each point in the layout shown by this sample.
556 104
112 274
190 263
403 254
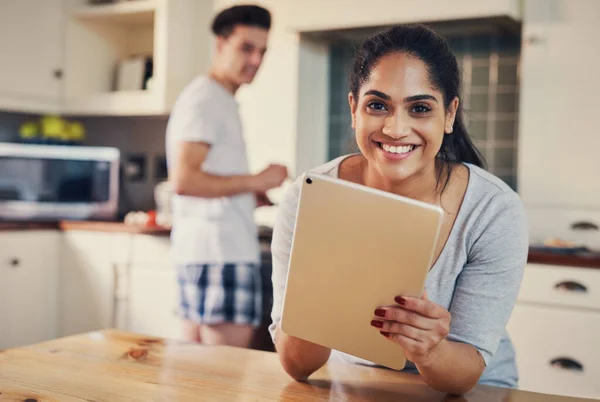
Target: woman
407 117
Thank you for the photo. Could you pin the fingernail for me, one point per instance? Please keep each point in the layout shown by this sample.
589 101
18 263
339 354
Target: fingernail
377 324
386 334
380 312
400 300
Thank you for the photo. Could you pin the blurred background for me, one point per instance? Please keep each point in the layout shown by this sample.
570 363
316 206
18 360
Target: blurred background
92 83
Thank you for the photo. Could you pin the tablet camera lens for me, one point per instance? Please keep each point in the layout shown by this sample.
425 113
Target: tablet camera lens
309 180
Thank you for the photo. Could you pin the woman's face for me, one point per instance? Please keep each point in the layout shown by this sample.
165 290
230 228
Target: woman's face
399 119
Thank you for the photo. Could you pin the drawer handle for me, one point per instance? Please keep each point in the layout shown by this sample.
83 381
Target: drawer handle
14 262
570 286
584 225
566 364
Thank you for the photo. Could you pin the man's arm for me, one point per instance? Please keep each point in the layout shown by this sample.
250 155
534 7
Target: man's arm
189 179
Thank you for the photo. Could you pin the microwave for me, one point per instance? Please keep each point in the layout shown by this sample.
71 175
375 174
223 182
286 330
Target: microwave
54 182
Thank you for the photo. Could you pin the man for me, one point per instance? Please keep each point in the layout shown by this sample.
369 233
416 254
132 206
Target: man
214 240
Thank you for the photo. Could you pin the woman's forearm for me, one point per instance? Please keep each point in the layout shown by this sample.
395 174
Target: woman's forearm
454 367
298 357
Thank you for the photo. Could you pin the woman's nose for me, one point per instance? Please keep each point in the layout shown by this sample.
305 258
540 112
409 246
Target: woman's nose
395 126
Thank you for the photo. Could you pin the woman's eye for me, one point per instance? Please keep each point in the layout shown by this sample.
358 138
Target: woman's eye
378 106
420 109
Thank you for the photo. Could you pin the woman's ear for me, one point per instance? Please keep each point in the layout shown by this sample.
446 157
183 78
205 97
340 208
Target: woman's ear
352 103
451 116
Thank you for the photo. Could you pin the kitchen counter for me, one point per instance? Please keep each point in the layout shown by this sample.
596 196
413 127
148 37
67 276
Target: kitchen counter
111 365
84 225
588 260
591 260
113 227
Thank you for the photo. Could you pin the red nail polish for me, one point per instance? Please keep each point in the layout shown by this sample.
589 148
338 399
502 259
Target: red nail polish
380 312
386 334
400 300
377 324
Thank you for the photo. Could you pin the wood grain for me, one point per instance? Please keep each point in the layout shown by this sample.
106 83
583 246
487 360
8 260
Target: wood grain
590 260
117 366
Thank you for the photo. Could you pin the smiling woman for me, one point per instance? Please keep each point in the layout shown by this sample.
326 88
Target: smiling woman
407 116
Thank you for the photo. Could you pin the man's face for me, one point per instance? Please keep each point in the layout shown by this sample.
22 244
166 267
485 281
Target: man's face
241 53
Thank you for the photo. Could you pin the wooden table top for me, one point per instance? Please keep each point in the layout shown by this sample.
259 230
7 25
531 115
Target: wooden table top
118 366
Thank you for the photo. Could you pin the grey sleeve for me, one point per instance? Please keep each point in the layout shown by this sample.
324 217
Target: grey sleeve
281 247
487 287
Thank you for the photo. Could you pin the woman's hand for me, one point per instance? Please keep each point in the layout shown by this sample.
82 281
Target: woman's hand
419 325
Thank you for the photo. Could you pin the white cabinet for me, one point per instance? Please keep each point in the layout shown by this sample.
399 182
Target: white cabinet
153 301
28 287
557 350
153 292
555 327
31 43
173 34
89 265
560 79
118 280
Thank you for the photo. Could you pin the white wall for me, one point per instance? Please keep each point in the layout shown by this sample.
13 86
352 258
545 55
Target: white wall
281 122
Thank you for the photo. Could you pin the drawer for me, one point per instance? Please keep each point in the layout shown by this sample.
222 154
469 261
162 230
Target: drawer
557 350
561 286
148 249
567 224
114 247
29 247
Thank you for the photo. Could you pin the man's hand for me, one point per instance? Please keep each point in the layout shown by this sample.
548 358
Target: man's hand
262 200
273 176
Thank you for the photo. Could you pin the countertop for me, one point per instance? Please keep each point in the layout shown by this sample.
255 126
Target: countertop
117 366
83 225
591 260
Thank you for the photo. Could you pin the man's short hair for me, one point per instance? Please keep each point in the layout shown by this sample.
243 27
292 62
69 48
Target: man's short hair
224 23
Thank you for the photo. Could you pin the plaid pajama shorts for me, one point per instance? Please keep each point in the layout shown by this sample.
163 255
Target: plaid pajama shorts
218 293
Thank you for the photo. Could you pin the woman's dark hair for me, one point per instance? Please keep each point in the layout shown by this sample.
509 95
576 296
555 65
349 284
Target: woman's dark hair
423 43
224 23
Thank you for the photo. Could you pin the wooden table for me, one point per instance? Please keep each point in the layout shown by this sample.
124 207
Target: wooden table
118 366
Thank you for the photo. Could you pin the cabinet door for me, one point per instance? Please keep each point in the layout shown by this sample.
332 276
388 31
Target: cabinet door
557 350
558 142
28 287
153 301
31 44
89 264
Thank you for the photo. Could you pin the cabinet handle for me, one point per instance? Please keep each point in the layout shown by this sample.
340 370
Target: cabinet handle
584 225
566 363
570 286
14 262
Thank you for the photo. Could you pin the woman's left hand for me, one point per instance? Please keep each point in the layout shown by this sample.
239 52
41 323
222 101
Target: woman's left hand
419 325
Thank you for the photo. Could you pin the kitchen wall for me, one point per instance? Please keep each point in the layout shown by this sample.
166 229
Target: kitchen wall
488 60
286 106
10 123
138 138
141 141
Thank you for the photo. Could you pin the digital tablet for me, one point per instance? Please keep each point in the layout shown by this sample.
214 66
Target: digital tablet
355 249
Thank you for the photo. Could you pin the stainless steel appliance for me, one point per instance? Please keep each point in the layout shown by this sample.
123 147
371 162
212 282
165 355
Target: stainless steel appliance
50 182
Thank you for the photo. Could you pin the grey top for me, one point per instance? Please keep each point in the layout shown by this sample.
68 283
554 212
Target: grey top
476 277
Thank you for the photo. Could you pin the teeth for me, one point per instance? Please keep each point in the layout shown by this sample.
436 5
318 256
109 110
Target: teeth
397 150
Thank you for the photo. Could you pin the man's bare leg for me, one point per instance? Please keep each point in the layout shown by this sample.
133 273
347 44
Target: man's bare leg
239 335
191 331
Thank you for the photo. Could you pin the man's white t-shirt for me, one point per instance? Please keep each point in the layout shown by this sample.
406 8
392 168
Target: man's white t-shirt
211 230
